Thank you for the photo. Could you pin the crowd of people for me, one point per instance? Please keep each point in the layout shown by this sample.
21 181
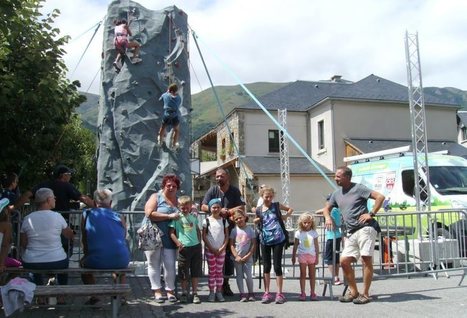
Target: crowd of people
224 237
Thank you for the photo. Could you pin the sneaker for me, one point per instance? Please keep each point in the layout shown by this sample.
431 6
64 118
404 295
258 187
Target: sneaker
159 142
184 298
117 68
51 281
313 297
243 298
212 297
196 299
251 297
347 298
267 298
136 59
123 300
280 299
302 297
361 300
220 297
337 281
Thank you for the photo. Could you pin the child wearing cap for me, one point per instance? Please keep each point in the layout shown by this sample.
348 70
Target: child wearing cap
215 237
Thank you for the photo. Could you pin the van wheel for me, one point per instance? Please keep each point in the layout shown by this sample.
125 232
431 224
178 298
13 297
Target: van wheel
440 229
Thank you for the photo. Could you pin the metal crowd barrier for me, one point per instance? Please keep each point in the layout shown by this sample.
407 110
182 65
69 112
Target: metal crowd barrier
414 243
410 243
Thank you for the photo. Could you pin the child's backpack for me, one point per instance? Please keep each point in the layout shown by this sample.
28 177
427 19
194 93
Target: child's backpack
277 209
208 223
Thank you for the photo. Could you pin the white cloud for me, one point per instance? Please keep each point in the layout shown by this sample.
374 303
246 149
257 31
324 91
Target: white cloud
281 41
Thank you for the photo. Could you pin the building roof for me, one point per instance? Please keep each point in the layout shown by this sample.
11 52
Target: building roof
303 95
372 145
271 165
462 117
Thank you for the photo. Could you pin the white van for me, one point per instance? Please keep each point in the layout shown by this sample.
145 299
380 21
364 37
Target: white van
394 177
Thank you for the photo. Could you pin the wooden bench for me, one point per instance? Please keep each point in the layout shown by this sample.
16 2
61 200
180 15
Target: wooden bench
114 291
79 270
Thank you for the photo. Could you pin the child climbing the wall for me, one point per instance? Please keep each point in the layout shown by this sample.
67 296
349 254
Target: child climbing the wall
172 102
122 32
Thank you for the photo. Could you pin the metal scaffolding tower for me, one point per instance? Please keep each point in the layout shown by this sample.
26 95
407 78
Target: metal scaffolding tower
418 122
284 155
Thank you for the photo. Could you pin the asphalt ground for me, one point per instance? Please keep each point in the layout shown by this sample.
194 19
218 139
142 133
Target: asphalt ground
422 296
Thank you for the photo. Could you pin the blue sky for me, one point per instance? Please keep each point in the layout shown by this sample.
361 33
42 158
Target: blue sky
282 41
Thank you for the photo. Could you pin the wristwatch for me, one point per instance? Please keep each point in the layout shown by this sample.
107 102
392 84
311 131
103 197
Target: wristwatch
372 214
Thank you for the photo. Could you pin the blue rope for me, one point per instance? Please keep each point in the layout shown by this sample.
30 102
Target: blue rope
284 131
221 109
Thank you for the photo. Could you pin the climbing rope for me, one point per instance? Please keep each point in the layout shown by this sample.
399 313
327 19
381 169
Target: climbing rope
80 35
93 79
82 55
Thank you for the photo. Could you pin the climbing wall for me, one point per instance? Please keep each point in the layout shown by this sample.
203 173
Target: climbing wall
129 160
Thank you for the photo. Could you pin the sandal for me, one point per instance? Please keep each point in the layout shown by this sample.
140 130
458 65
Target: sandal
361 300
171 298
348 298
159 298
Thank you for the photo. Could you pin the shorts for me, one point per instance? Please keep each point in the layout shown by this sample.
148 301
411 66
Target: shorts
121 44
307 259
190 262
328 251
360 243
169 119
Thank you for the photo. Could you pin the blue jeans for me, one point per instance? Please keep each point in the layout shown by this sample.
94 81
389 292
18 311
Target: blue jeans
37 278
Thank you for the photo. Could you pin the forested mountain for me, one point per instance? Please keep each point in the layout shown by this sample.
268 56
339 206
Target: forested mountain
206 113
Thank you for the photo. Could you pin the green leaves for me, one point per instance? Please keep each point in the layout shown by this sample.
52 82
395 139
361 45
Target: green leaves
36 99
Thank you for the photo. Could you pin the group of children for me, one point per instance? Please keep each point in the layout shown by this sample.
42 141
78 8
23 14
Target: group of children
242 240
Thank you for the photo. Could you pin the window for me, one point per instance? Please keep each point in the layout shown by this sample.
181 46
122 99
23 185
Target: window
321 134
231 143
273 138
222 153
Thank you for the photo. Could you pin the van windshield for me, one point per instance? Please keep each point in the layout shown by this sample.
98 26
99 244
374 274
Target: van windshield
449 179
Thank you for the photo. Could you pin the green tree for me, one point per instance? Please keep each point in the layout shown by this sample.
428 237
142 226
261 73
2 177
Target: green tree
76 148
36 99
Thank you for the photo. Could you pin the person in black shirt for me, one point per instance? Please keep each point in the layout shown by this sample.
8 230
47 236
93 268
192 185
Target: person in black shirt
65 193
231 200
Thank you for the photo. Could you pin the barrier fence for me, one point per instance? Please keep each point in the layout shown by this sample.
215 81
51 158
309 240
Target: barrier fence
410 243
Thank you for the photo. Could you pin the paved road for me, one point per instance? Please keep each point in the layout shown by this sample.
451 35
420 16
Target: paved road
395 297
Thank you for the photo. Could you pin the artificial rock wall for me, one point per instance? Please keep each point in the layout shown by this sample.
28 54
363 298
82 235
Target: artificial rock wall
130 113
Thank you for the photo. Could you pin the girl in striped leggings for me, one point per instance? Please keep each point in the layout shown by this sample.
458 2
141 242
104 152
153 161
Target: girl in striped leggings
215 237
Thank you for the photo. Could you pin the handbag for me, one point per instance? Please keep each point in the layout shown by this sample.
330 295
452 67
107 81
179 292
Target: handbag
149 236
